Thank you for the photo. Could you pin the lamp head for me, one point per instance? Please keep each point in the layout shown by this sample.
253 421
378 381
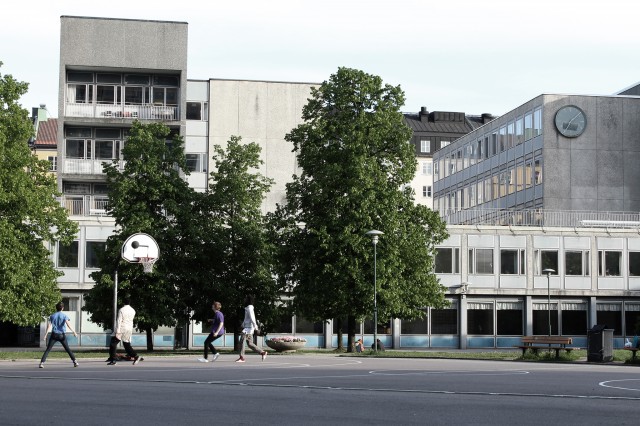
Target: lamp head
374 235
548 271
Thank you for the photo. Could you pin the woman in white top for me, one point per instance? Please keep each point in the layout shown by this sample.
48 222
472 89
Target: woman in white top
249 326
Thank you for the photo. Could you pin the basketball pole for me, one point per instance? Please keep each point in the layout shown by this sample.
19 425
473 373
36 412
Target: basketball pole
115 300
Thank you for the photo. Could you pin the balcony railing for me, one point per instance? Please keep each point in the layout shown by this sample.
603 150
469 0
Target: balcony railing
142 112
85 205
542 217
80 166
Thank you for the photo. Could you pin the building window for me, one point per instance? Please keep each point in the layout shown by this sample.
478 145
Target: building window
528 126
576 262
94 249
417 326
426 191
546 259
447 260
480 318
509 319
512 261
634 263
537 122
444 143
196 163
481 261
541 319
427 168
53 163
445 321
197 110
68 255
425 145
574 319
609 263
538 172
611 315
632 319
305 326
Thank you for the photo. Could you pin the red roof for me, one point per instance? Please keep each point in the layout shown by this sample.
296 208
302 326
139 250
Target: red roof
47 133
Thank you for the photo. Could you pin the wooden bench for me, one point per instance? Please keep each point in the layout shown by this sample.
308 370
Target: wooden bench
633 351
557 343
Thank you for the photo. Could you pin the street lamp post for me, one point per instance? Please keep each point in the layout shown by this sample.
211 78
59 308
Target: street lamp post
374 240
549 271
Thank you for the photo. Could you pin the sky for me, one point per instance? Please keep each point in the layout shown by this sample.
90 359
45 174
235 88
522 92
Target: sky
466 55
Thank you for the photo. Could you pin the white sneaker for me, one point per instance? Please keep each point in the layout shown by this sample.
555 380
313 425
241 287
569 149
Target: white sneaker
215 356
264 355
137 360
75 363
41 365
203 360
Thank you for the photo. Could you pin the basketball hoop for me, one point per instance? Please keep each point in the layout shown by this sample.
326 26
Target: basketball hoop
147 264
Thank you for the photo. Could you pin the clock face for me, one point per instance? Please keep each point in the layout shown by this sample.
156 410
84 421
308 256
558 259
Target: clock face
571 121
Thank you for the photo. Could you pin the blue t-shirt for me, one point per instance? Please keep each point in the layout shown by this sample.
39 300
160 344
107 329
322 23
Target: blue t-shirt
219 319
58 321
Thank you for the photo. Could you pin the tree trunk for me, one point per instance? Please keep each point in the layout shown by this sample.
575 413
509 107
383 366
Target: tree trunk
339 325
149 339
351 329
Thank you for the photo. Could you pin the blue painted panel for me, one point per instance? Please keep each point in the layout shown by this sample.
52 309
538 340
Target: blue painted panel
508 342
95 339
414 341
579 342
480 342
445 342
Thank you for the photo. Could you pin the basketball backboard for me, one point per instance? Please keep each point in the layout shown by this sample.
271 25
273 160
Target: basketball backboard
139 246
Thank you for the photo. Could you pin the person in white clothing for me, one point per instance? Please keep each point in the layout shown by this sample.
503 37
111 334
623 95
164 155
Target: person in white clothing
249 326
122 333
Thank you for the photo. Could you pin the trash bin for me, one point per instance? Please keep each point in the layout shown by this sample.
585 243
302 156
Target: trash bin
600 344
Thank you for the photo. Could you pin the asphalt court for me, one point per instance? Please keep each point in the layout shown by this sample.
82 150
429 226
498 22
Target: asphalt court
335 373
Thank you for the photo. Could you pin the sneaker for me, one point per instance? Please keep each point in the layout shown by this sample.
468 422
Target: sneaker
75 363
112 363
137 360
203 360
264 355
215 356
41 365
241 359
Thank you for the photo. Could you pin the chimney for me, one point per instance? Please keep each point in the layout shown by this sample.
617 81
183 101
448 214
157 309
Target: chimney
424 114
486 117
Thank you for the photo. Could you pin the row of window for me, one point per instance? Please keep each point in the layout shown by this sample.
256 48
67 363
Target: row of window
492 318
512 261
425 144
118 89
519 176
511 134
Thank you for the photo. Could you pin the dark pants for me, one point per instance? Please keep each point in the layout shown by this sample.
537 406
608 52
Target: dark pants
113 346
208 344
57 337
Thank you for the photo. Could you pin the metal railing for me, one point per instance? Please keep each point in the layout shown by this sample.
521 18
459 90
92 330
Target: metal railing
542 217
85 205
142 112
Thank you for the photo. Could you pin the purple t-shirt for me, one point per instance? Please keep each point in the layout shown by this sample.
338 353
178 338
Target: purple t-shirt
219 319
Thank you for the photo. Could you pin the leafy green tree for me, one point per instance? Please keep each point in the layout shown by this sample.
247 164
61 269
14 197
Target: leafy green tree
148 195
236 251
356 163
30 217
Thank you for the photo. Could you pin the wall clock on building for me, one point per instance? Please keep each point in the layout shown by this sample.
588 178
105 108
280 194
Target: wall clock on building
570 121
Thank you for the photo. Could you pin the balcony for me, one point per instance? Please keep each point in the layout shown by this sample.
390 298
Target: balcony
85 205
544 218
80 166
122 112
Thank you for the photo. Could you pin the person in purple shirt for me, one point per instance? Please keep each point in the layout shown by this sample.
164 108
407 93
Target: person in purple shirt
217 331
57 325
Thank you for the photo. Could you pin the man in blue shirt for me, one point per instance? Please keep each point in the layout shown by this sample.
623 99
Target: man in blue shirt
57 325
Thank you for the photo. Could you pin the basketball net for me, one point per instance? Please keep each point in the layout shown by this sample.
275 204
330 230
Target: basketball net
147 264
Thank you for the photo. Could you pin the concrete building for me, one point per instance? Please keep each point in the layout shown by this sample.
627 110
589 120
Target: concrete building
113 71
554 152
432 131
